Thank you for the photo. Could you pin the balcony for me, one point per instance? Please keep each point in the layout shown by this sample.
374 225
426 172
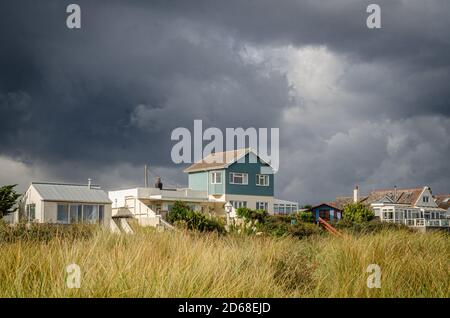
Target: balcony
421 222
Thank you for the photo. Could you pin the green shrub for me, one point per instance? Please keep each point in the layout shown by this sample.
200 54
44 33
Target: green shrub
182 216
357 213
41 232
306 216
281 225
252 215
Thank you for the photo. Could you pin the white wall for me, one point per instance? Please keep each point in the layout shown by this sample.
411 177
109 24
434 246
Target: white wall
431 203
32 197
118 197
251 200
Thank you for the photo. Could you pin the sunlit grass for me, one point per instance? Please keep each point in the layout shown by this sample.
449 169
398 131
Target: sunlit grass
182 264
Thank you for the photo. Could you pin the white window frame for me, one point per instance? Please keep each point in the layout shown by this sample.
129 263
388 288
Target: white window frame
264 204
243 175
29 207
238 204
97 208
264 177
67 213
214 178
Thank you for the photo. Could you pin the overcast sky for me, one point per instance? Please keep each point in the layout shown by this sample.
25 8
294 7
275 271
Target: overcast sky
354 105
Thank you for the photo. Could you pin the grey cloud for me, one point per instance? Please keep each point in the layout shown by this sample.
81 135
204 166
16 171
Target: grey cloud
101 101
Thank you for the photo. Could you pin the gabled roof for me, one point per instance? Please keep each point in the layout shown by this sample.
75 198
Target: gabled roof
341 202
220 160
400 196
71 193
329 204
443 201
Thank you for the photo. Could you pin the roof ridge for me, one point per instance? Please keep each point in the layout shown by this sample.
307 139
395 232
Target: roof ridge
94 186
394 189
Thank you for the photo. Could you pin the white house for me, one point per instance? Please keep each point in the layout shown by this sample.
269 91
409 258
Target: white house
414 207
65 204
239 179
443 201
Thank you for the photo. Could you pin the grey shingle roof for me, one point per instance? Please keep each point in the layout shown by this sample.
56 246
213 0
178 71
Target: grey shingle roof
71 193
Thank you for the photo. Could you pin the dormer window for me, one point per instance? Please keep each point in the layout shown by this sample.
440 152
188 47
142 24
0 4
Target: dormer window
425 199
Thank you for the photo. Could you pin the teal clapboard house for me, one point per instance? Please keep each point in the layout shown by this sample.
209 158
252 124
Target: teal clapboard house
240 177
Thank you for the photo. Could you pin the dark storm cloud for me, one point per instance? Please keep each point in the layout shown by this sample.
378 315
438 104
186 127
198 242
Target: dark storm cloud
105 98
86 86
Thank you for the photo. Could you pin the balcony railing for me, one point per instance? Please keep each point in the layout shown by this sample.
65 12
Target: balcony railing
421 222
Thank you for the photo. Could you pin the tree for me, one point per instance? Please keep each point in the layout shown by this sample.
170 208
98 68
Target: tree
8 199
357 213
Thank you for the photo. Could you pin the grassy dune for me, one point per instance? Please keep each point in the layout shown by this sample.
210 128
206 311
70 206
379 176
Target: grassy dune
181 264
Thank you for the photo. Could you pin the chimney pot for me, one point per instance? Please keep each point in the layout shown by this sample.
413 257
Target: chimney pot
355 194
89 183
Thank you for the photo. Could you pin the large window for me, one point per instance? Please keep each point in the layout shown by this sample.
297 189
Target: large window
216 177
262 180
238 204
262 206
75 213
275 209
238 178
30 212
90 213
284 208
80 213
62 213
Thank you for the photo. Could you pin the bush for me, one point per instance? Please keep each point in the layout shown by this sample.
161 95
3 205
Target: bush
252 215
280 225
357 213
276 225
306 216
45 232
182 216
370 227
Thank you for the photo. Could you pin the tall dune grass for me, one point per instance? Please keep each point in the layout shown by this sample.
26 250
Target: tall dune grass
182 264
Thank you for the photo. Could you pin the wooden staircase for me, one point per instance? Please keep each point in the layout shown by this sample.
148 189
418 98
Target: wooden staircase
329 228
